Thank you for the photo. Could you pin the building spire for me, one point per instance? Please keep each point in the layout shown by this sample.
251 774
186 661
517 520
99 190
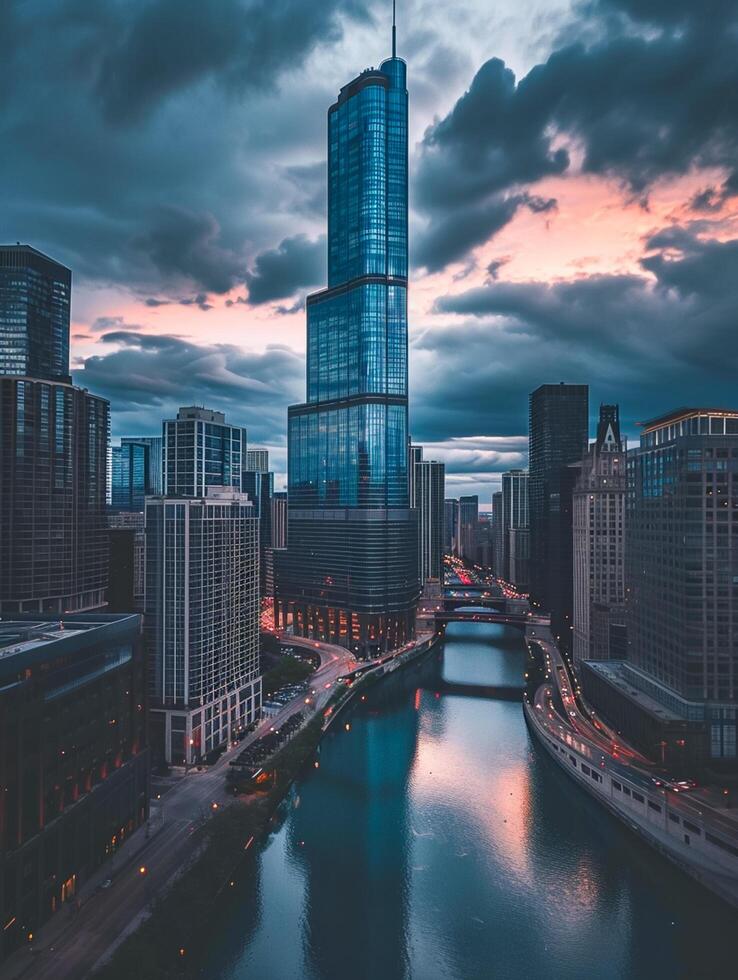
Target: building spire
394 32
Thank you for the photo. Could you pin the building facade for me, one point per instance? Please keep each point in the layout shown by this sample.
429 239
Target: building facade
202 621
257 460
258 485
427 497
153 446
520 558
599 543
468 522
558 435
74 758
35 299
682 570
201 450
514 512
498 533
350 572
53 485
451 525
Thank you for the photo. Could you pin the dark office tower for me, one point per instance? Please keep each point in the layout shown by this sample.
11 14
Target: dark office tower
498 550
53 480
451 526
129 477
279 520
558 431
350 573
201 450
74 759
468 520
34 314
153 459
259 486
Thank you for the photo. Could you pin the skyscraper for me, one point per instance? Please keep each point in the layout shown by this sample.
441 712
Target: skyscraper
53 449
598 542
451 525
199 450
259 486
35 296
129 476
468 520
153 445
558 431
676 696
202 621
514 512
350 572
427 489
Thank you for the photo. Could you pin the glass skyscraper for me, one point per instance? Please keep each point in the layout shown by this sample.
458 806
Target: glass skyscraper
350 572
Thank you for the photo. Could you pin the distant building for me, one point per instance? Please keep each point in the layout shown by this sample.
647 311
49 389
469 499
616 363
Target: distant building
519 538
451 526
259 486
468 518
35 296
427 490
498 535
153 445
599 544
74 759
202 621
677 696
257 460
514 512
558 428
279 520
201 450
136 473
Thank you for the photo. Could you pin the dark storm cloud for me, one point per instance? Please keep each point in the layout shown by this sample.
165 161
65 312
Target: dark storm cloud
279 272
148 377
639 104
649 342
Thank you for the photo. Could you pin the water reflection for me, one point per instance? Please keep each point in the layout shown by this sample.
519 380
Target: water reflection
437 842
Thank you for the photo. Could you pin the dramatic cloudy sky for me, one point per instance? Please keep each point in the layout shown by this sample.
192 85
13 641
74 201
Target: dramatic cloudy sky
573 190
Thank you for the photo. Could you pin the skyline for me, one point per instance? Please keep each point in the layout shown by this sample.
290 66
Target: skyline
637 242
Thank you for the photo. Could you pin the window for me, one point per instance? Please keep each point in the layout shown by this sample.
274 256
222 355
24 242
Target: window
638 796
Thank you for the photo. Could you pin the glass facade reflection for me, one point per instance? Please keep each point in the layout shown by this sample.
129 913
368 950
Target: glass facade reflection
350 572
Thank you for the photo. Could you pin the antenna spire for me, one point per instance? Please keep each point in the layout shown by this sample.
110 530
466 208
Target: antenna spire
394 32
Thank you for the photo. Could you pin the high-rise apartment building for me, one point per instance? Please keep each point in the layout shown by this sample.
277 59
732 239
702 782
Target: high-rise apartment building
677 694
599 544
202 621
53 449
427 488
558 435
201 450
514 512
35 298
257 460
350 573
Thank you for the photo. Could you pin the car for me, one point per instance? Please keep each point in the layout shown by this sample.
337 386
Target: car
107 883
683 784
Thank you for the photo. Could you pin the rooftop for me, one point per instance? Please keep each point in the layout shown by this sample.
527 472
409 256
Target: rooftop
35 639
678 414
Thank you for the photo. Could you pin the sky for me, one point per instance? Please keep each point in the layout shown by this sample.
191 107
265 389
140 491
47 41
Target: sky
573 193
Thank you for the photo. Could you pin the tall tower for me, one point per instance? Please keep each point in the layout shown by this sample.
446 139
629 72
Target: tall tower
350 572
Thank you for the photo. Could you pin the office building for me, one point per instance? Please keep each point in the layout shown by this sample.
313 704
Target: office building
127 560
130 476
468 520
53 479
200 450
257 460
259 487
497 533
520 558
427 497
202 621
558 436
514 512
599 544
350 571
677 695
74 759
153 446
279 520
451 526
35 297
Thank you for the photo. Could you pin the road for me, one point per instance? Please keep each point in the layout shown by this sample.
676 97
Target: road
601 740
72 943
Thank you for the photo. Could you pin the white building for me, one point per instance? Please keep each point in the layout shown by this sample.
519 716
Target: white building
202 620
598 541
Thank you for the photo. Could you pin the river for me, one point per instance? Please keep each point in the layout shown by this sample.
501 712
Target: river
436 841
